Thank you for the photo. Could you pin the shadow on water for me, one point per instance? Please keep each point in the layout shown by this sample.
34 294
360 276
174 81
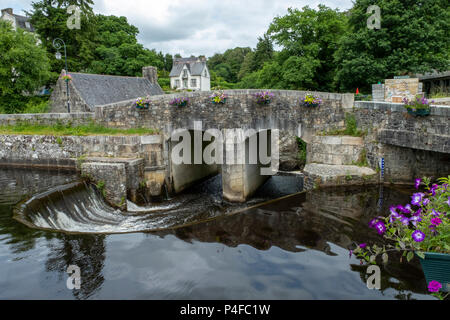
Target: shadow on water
294 240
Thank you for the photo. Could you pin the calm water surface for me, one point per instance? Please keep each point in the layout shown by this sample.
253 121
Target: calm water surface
294 248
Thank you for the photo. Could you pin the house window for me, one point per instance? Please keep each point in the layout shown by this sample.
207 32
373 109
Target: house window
177 83
185 83
184 73
194 83
206 73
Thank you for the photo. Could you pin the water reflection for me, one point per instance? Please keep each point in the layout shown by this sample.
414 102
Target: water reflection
294 248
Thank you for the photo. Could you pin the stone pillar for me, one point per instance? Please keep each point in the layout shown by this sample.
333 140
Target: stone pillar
151 73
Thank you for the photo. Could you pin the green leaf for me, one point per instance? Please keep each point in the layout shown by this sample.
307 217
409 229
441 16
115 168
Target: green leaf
420 254
410 256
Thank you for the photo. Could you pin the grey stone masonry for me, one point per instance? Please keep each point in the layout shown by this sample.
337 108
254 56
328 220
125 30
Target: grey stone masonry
337 150
111 180
240 111
49 119
323 175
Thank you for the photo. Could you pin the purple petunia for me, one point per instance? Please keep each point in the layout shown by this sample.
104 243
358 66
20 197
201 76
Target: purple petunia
434 286
415 219
435 213
426 201
418 236
372 223
448 201
417 199
363 245
380 227
404 220
417 184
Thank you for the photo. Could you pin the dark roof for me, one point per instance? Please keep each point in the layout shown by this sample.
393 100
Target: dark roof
21 22
101 89
194 65
433 75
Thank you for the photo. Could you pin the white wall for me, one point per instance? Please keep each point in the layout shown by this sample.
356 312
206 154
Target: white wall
8 17
203 83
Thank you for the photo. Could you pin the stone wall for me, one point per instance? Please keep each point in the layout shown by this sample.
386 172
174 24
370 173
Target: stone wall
335 150
240 111
58 99
412 146
50 119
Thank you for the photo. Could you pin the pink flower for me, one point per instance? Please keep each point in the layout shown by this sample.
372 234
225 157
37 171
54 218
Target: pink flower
436 221
434 286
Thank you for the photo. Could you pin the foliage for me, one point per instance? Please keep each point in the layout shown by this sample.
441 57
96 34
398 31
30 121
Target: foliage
25 128
311 101
218 97
37 105
351 128
302 151
24 67
413 39
419 103
228 64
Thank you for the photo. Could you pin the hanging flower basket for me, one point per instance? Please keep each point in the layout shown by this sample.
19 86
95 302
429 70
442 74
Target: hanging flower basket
67 78
419 112
179 102
142 104
219 98
311 101
419 108
263 98
436 267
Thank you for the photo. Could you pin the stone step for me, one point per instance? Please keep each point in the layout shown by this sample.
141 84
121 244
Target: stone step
325 175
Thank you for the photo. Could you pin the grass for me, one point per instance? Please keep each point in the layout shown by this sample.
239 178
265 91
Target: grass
362 161
25 128
351 128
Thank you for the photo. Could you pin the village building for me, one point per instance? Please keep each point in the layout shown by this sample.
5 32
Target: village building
16 20
90 90
190 74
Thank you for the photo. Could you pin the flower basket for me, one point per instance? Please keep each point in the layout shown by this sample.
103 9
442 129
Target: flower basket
142 104
180 102
218 98
419 112
436 267
143 107
219 102
311 101
264 98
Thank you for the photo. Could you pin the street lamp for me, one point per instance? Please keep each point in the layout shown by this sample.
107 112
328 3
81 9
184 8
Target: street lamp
58 44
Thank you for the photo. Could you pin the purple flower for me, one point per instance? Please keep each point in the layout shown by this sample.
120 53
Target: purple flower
448 201
434 286
415 219
417 184
417 199
435 213
363 245
426 201
418 236
433 189
436 221
350 253
380 227
404 220
373 222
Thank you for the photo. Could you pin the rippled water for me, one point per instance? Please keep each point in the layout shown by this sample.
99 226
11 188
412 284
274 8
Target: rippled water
294 248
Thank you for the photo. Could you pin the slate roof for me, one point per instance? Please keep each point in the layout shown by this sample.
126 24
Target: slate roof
194 66
433 75
102 89
21 22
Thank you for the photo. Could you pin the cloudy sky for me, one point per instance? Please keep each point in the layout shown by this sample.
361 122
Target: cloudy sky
198 27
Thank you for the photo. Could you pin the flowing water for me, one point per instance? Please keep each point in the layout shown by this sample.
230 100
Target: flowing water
193 246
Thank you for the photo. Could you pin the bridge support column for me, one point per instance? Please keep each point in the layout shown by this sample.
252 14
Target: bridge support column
241 178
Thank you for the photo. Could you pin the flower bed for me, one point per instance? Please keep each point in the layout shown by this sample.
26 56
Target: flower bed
422 228
311 101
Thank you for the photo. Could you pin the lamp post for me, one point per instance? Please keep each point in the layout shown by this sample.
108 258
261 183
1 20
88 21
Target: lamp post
58 44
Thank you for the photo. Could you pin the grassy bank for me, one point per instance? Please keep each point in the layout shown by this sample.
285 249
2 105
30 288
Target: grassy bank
66 130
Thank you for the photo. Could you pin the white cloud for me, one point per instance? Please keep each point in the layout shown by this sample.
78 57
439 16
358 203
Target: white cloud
197 26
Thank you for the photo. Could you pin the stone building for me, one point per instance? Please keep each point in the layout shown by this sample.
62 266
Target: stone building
435 82
16 20
190 73
90 90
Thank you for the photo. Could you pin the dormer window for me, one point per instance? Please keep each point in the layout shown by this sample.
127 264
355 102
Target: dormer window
185 74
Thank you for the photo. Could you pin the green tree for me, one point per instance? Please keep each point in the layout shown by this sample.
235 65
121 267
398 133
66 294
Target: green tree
24 67
228 64
118 51
309 39
414 38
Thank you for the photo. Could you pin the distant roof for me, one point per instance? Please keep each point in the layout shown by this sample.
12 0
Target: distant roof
21 22
433 75
98 89
194 65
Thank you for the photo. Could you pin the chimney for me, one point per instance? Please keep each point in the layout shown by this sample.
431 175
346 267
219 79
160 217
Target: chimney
151 73
7 10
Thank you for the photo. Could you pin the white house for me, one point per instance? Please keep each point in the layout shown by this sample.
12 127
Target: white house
190 73
16 20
